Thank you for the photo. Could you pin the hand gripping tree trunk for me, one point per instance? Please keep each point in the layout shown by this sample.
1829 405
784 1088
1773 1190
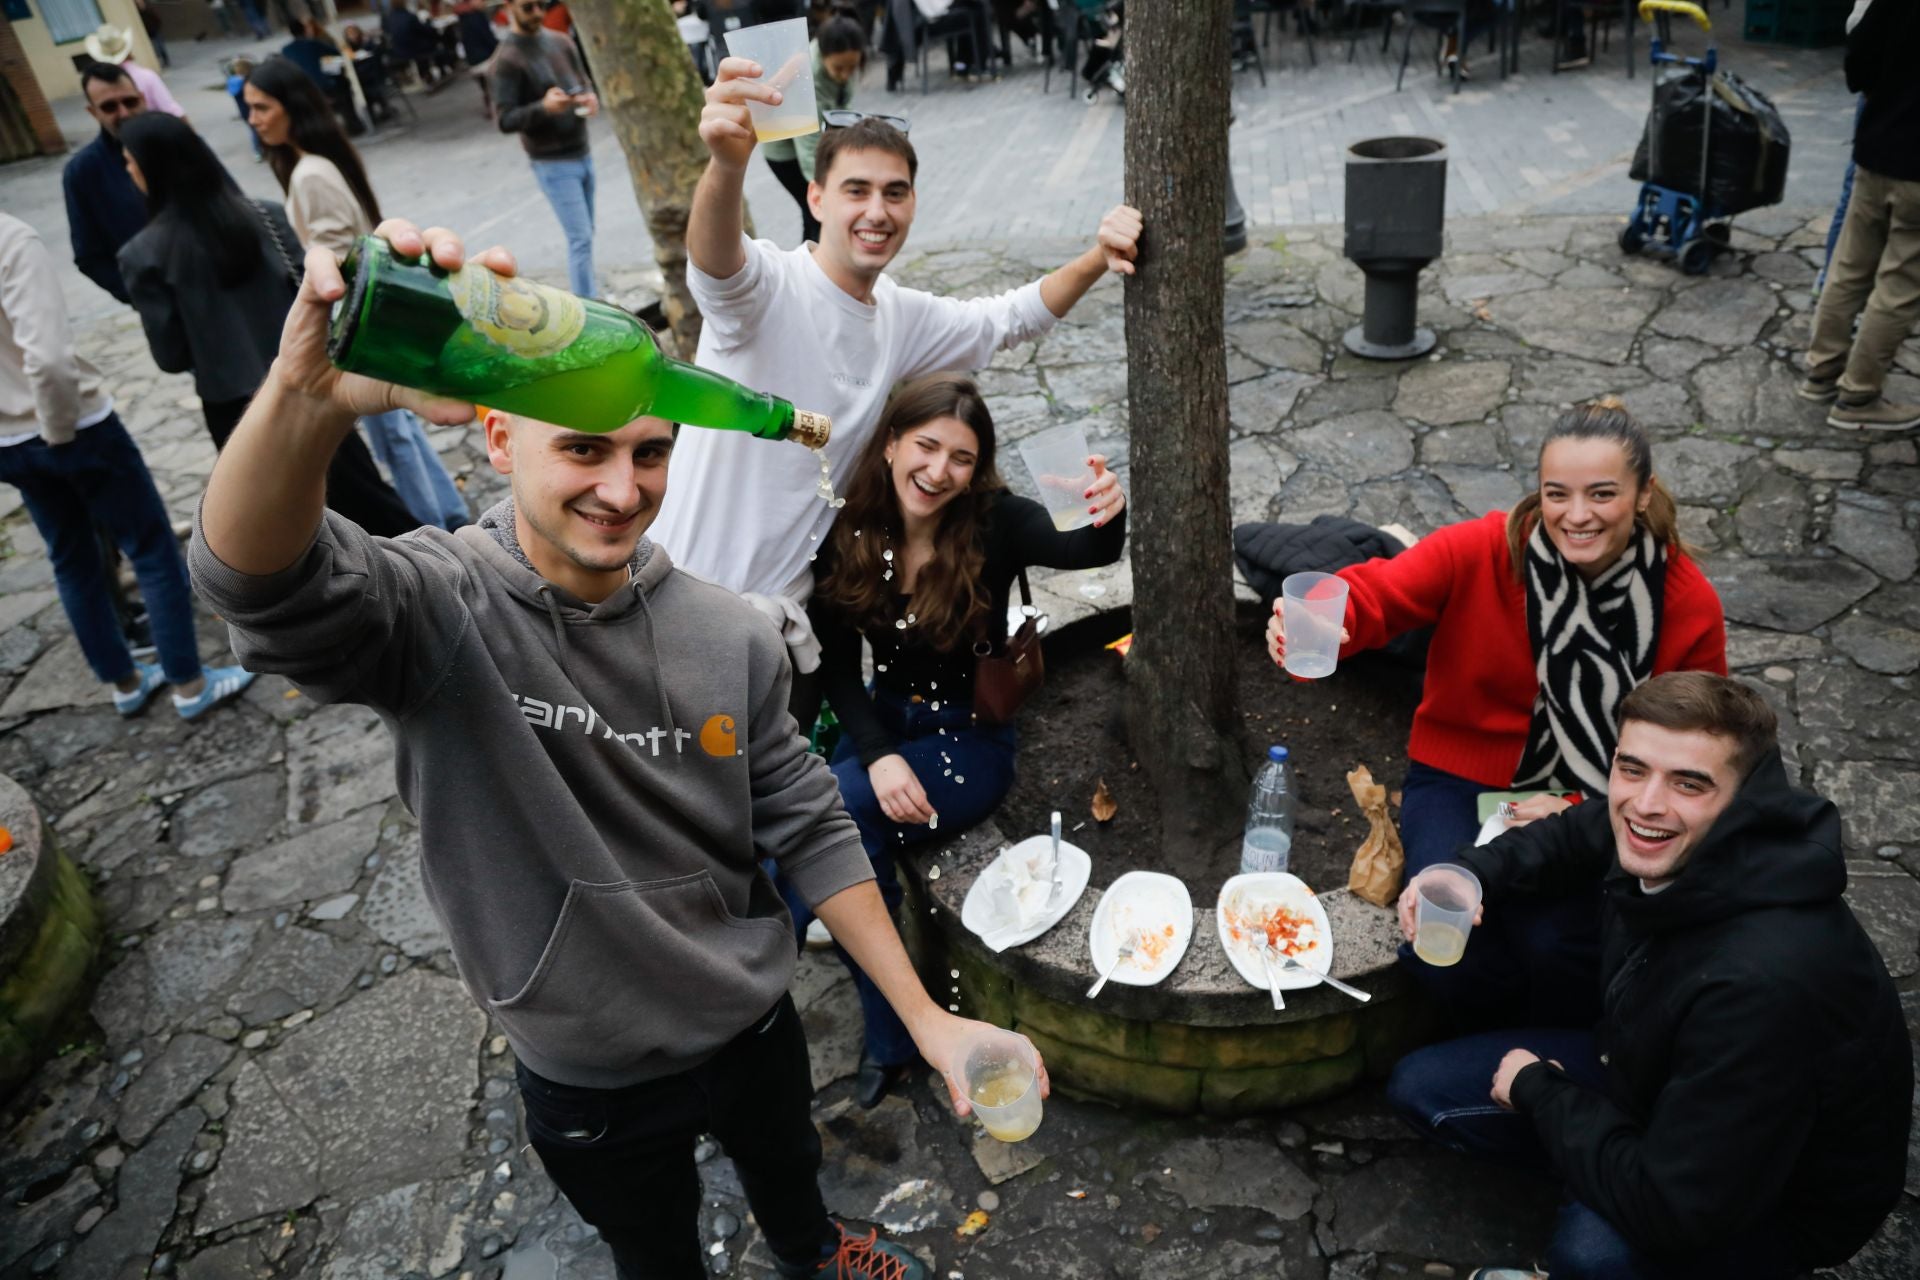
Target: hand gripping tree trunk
1180 675
651 91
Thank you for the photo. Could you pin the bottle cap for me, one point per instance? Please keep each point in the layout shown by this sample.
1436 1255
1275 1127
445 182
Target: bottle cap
1276 752
810 429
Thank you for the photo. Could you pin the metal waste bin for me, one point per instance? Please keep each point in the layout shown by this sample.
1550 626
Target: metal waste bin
1396 216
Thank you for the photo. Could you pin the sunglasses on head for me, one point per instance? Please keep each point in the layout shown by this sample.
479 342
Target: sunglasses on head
847 119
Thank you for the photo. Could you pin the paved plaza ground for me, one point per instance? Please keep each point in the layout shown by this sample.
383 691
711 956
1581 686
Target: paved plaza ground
285 1078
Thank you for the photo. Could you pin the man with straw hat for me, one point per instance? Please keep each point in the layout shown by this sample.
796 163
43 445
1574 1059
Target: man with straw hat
114 46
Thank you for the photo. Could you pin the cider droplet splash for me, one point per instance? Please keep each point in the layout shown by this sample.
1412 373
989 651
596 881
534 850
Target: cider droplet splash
825 487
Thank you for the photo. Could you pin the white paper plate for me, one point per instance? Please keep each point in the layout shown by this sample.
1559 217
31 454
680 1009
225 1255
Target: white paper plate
1253 897
978 914
1157 905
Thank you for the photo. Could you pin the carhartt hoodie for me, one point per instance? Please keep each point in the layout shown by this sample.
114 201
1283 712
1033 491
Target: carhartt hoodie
595 784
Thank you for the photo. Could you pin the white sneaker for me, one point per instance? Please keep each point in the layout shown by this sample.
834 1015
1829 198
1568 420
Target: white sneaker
818 936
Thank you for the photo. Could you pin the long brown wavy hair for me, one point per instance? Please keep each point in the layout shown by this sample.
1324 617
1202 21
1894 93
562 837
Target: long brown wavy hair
950 600
1603 419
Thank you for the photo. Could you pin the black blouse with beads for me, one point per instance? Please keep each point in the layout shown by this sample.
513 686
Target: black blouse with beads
1016 533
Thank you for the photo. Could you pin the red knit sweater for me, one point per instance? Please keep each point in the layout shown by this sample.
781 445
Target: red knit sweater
1480 670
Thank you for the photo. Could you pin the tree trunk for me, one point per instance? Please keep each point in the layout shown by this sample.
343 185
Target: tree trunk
1181 716
652 93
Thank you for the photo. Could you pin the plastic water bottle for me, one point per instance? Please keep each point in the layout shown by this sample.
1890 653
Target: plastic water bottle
1269 838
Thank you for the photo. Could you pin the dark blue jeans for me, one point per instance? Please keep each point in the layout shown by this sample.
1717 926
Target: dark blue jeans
101 478
966 771
1443 1091
1533 961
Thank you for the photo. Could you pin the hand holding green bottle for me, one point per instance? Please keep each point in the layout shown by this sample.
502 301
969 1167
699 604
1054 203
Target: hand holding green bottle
302 365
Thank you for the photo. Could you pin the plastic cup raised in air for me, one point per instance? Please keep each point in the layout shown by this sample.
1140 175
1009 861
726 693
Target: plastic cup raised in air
1057 459
785 64
1000 1074
1445 897
1314 611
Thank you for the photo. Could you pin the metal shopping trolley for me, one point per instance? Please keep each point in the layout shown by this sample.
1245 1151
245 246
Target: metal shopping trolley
1713 147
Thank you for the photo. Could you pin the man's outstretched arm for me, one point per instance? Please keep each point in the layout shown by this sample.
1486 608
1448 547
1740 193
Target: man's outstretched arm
264 498
715 225
1116 245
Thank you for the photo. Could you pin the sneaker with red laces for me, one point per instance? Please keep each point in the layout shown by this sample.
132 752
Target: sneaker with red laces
867 1257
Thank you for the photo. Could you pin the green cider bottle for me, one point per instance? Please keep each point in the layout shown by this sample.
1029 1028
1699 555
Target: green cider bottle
523 347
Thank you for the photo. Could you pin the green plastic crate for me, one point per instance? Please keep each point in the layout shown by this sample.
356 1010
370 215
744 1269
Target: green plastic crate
1804 24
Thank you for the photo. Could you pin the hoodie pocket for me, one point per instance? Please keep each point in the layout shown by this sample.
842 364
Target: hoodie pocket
636 971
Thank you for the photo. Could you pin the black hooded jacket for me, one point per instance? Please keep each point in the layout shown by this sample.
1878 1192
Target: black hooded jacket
1760 1077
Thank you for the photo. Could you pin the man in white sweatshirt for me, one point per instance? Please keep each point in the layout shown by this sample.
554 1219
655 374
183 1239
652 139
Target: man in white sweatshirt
823 326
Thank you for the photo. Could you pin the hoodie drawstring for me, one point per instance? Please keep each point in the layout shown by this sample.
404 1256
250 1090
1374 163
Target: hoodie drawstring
560 632
653 651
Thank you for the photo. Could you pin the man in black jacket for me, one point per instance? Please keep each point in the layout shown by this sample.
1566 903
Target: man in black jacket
104 208
1875 272
1742 1108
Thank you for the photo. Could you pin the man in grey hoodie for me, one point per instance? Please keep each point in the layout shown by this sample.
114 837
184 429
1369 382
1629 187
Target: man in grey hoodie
598 749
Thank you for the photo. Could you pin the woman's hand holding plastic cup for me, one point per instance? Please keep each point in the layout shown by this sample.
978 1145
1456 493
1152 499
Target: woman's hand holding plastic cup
1277 636
1107 499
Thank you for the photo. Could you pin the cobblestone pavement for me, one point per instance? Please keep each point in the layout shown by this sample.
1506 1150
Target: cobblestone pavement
288 1080
1004 161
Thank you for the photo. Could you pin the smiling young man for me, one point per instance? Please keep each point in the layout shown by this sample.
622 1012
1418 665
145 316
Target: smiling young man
1742 1108
823 326
598 751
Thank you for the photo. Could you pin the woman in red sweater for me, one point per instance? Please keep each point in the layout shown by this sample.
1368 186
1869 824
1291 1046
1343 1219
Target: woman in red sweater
1543 619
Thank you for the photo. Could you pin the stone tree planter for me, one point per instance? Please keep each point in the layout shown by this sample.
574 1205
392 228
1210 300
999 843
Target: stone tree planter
1396 213
49 936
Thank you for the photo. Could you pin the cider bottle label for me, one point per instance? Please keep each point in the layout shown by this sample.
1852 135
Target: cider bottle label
530 320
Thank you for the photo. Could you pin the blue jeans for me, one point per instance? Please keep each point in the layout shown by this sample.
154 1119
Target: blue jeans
1533 961
966 771
1443 1091
568 186
101 478
400 443
1840 210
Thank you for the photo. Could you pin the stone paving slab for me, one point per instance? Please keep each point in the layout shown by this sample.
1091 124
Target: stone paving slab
347 1111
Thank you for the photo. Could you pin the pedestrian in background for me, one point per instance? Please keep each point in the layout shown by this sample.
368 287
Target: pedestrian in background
212 276
331 204
540 92
64 448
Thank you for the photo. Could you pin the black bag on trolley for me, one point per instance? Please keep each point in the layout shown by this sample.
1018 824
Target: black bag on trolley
1747 159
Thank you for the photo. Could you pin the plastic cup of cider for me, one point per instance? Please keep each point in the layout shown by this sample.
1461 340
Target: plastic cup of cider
1057 460
1002 1078
1445 897
785 64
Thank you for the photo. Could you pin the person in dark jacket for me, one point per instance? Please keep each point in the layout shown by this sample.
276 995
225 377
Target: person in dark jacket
1874 274
104 208
212 276
540 92
1742 1108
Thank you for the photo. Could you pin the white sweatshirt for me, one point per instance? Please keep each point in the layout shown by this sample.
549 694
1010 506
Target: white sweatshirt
744 513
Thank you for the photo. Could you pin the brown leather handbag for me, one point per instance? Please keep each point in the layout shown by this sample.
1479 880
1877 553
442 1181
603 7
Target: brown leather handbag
1003 681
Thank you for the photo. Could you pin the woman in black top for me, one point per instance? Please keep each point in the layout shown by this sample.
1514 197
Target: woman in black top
212 275
920 564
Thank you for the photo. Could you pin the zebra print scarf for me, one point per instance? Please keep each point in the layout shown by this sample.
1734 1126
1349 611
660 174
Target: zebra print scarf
1593 643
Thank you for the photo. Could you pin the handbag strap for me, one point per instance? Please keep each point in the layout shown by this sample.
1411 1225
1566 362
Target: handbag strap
1026 592
286 259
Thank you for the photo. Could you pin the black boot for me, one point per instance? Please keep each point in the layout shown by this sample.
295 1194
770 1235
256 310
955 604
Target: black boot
876 1080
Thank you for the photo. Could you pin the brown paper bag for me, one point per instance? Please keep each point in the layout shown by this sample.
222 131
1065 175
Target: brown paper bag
1378 863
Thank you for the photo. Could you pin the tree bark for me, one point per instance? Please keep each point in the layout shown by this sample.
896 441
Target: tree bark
652 93
1181 716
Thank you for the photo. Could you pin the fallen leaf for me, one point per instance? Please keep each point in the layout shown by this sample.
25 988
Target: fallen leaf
976 1223
291 694
1103 806
1151 1232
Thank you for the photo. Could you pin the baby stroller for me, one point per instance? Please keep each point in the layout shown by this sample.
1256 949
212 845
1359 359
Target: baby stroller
1105 66
1713 147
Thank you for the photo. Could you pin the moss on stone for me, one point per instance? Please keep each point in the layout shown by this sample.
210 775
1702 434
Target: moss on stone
1254 1090
1087 1071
